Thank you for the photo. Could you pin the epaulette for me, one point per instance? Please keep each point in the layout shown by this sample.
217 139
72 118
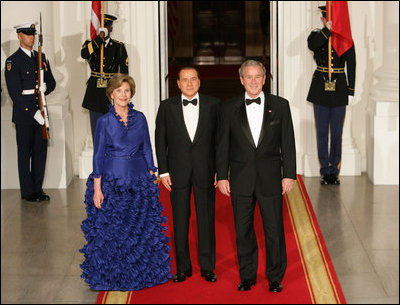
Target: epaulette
118 41
85 44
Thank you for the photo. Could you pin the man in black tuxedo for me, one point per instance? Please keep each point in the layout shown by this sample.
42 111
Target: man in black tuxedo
186 127
256 152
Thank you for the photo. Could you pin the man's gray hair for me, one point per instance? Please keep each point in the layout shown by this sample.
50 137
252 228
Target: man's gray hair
251 63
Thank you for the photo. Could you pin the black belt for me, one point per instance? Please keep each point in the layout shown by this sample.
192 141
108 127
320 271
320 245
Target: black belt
104 75
334 70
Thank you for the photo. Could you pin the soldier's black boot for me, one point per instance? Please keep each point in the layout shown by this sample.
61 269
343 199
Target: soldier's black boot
324 180
334 179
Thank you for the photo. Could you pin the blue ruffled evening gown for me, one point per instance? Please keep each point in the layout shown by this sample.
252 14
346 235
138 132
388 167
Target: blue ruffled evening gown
126 244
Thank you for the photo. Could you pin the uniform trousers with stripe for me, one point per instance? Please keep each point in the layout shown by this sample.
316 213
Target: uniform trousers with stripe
32 154
329 121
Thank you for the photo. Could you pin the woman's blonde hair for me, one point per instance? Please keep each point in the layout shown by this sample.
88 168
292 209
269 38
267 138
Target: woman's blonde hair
116 82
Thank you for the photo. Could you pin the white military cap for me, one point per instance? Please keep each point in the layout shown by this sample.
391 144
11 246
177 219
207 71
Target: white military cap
27 28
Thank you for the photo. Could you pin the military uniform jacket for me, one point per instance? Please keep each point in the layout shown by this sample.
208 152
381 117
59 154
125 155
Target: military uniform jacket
318 43
115 59
21 73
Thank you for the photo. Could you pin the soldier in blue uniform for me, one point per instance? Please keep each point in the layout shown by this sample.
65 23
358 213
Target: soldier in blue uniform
330 106
21 74
115 59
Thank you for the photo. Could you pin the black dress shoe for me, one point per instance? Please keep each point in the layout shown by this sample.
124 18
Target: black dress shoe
325 180
246 285
32 197
209 276
42 196
181 276
275 286
334 179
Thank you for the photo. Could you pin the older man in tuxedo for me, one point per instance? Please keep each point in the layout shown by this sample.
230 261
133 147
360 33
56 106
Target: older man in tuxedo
256 162
186 127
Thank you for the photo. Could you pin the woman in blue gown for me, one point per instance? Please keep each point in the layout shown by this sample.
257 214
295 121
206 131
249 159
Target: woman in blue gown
126 244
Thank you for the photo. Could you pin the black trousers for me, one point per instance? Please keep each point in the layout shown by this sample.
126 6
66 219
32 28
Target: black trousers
246 241
205 212
94 116
32 153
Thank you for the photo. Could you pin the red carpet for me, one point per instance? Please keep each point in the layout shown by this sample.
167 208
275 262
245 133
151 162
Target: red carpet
309 278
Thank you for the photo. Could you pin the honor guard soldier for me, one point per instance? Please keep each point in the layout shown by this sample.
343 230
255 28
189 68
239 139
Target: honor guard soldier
21 74
330 105
115 59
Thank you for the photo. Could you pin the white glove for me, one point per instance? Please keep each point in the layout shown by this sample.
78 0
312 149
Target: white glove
43 88
351 98
104 30
38 117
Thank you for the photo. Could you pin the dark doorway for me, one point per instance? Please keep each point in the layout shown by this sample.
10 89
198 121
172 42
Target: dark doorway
216 37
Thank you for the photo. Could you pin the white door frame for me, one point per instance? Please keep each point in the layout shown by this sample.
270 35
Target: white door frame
274 46
163 34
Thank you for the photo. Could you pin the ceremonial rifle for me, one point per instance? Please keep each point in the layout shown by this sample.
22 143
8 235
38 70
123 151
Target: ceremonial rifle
42 99
102 81
330 85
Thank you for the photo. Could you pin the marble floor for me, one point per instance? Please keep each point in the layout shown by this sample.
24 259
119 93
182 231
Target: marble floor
40 242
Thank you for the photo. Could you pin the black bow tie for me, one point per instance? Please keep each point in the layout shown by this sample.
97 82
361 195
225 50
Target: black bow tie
193 101
256 100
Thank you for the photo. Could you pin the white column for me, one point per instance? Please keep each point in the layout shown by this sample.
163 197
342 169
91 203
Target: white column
59 169
164 49
383 108
142 33
295 69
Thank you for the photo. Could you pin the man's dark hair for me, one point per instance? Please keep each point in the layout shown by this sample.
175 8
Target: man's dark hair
188 68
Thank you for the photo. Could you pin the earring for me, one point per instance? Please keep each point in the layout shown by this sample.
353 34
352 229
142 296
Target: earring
112 101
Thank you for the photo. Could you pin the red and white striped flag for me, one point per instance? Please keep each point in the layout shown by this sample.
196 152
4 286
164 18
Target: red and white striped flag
95 20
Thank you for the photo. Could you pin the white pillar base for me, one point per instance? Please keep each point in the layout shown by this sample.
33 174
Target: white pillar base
383 146
59 169
86 163
351 164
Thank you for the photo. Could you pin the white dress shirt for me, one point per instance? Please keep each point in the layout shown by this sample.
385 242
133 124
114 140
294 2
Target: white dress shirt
27 52
191 115
255 115
106 42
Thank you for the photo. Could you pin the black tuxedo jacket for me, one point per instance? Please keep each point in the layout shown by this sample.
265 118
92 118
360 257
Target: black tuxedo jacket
175 151
248 165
